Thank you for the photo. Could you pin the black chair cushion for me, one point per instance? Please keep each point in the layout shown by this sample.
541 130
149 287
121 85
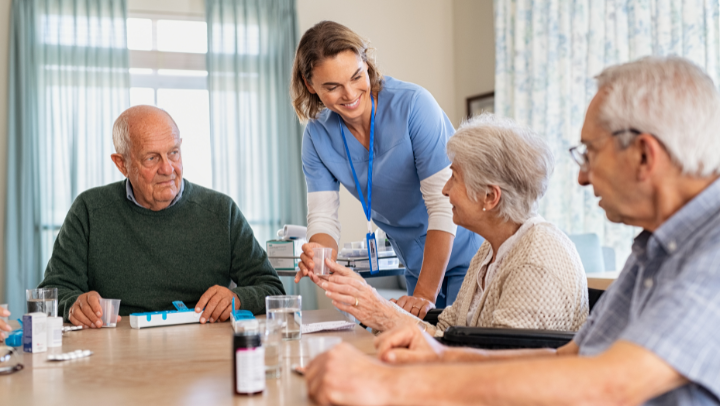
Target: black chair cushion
504 338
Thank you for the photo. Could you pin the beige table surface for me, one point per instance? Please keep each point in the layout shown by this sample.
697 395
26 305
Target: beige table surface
601 280
177 365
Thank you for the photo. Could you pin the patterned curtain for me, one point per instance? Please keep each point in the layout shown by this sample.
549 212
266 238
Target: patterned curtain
547 54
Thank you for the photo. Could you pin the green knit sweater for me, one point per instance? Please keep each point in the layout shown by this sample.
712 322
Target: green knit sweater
148 258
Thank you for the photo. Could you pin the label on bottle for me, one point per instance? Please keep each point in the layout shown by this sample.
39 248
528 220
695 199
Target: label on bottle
250 370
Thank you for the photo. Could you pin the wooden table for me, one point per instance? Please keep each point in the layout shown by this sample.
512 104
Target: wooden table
187 365
601 280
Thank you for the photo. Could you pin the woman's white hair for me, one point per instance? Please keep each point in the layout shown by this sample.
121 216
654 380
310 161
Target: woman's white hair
490 150
670 98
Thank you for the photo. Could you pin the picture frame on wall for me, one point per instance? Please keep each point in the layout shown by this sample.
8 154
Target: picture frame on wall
481 103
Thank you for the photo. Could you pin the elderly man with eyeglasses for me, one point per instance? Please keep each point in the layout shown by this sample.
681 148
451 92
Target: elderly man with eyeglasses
651 152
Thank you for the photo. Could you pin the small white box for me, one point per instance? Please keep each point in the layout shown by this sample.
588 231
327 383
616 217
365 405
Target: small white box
281 253
54 332
34 332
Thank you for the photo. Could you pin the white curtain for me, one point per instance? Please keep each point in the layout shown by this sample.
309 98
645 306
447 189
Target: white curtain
254 132
68 81
547 54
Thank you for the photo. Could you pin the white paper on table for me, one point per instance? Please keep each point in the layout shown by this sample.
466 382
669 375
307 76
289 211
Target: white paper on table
327 326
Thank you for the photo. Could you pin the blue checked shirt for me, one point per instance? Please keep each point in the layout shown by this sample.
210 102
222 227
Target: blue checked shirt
131 194
667 300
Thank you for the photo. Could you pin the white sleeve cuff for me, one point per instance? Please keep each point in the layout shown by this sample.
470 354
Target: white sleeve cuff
322 217
439 209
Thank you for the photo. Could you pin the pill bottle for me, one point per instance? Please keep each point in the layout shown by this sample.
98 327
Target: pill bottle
248 364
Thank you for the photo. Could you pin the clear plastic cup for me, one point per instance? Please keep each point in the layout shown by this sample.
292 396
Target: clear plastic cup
318 345
110 310
287 309
319 256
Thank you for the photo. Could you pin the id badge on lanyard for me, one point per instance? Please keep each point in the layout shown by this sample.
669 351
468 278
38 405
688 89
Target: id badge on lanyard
372 251
370 236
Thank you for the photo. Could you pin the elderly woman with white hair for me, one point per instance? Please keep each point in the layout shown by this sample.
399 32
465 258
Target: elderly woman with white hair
527 273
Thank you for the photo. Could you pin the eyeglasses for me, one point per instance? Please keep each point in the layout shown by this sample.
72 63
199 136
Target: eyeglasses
7 356
579 153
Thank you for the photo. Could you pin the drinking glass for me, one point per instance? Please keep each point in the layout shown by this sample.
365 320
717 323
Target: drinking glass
318 345
271 337
42 301
287 310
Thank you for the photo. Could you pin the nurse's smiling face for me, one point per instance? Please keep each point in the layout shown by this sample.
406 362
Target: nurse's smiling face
343 85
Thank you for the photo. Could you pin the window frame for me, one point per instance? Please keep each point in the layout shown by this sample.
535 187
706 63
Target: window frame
156 60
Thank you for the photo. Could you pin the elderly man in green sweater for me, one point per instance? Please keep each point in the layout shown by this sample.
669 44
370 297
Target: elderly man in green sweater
155 238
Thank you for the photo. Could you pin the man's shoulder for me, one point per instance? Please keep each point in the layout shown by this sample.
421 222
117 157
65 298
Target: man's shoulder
102 196
208 199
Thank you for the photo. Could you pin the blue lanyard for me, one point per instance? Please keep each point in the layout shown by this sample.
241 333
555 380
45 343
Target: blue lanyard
367 207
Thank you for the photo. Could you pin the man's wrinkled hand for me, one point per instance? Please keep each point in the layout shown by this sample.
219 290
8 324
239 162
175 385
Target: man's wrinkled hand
86 311
217 302
343 375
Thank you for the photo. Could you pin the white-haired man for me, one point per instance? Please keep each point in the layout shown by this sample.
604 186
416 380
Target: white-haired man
155 238
650 149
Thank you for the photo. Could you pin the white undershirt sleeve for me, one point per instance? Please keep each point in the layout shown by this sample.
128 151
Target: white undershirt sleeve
438 206
322 217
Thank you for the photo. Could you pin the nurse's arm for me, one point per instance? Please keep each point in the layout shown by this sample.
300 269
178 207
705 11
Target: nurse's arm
306 258
438 246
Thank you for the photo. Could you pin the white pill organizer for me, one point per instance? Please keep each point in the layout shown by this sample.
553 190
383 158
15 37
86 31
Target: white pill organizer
182 315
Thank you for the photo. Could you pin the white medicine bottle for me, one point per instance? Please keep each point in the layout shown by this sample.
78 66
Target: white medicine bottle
248 364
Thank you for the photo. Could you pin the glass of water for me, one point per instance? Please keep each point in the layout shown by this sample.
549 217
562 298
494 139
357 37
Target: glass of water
271 337
42 301
286 309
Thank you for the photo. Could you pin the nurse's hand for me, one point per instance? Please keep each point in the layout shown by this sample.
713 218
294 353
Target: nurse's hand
307 266
338 270
417 306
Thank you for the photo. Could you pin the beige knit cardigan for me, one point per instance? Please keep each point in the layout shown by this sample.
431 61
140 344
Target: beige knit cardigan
541 284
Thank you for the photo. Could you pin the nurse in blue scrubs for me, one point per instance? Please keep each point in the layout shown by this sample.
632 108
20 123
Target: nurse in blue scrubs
356 120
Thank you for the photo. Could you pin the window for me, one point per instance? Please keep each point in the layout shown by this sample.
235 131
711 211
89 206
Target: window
167 70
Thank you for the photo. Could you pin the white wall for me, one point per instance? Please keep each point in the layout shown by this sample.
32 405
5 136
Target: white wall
474 33
5 7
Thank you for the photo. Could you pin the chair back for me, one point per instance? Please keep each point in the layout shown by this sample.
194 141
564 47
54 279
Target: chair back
594 296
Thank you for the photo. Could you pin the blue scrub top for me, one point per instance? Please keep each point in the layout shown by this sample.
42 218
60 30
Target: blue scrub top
411 131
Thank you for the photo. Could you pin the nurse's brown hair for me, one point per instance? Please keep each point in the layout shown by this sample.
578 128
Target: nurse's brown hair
325 39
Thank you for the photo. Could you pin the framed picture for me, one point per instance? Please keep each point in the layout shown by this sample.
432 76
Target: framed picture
480 103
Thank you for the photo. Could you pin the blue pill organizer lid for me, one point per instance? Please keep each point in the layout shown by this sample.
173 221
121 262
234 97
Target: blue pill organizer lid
14 339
